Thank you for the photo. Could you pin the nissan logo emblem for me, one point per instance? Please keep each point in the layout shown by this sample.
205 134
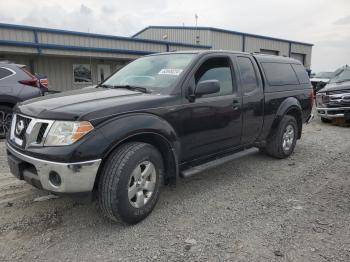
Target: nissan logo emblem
19 127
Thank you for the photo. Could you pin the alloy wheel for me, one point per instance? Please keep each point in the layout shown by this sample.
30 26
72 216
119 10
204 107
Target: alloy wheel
288 138
142 184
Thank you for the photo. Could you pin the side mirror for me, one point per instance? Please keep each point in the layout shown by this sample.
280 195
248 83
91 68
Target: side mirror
207 87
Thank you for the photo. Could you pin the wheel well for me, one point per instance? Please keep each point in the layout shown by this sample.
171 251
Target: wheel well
297 115
164 147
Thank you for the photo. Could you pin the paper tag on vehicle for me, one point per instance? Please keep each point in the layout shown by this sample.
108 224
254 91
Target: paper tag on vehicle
170 71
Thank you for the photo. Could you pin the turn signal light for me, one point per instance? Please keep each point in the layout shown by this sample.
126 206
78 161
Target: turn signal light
83 128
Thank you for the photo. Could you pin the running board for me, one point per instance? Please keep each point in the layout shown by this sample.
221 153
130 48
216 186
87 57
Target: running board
217 162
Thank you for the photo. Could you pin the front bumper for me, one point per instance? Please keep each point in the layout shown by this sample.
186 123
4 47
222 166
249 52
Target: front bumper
333 112
78 177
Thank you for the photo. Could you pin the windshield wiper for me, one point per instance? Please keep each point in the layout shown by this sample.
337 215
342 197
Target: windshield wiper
137 88
105 86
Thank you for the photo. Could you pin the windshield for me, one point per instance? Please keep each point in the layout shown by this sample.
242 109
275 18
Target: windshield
341 76
324 75
156 73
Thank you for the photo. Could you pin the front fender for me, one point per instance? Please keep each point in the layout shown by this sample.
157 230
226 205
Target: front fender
124 127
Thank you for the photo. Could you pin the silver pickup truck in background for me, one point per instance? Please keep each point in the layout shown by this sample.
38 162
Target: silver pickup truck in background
333 101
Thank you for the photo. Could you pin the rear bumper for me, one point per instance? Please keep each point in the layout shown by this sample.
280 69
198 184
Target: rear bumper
78 177
331 113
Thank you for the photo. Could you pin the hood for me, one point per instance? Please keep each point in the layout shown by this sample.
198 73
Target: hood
89 103
336 87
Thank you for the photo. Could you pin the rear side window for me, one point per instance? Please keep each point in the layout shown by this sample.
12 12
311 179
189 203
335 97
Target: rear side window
279 74
4 73
301 73
248 76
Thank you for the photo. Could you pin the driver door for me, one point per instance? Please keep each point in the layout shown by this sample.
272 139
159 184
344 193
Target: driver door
213 122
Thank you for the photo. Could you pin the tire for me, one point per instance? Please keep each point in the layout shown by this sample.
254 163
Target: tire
5 120
325 120
282 142
123 174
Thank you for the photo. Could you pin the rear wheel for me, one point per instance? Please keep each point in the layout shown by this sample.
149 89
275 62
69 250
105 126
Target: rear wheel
130 182
5 120
282 142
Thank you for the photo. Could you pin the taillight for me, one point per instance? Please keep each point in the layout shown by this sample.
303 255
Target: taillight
29 82
33 81
44 82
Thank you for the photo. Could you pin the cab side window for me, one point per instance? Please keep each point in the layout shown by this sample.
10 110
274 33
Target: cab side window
248 76
217 69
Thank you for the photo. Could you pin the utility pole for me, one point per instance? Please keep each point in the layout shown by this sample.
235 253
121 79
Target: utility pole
197 32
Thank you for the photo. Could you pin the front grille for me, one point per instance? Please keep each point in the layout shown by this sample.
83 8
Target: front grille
337 92
21 133
41 132
28 131
339 104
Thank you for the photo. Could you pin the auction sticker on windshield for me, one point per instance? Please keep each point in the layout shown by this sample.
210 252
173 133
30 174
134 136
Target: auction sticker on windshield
170 71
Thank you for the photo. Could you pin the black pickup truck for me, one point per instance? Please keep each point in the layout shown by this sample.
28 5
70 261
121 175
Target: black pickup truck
160 117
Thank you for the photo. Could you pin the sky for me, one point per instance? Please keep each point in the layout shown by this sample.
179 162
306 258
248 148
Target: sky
324 23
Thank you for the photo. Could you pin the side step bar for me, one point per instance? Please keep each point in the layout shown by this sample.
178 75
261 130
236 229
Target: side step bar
217 162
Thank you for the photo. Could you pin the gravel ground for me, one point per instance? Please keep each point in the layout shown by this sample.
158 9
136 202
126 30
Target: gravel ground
252 209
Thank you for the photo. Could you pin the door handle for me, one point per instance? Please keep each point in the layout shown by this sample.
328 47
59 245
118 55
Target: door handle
235 104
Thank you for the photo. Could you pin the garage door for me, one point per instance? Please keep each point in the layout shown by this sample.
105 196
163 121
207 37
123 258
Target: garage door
297 56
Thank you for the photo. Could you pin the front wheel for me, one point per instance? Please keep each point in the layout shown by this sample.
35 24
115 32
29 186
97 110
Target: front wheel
282 142
130 182
5 120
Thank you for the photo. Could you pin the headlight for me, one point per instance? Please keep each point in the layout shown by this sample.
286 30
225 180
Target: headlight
64 133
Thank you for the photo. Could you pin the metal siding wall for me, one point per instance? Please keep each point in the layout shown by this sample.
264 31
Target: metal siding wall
303 49
183 48
83 41
18 59
16 49
187 36
16 35
226 41
59 71
254 44
69 53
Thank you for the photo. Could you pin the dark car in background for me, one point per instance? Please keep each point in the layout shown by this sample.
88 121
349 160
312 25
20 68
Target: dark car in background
16 85
333 101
